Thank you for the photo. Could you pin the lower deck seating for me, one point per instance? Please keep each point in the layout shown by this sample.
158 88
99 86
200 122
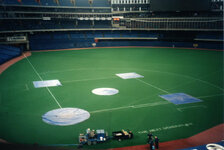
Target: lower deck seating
8 52
211 36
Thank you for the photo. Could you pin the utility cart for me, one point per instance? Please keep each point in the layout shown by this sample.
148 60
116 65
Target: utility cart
121 135
93 137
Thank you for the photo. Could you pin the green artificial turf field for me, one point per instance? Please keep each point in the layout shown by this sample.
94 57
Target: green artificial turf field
137 106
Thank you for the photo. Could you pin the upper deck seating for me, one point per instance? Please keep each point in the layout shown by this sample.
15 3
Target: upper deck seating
101 3
66 3
82 3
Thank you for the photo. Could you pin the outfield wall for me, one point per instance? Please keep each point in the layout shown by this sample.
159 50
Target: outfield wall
67 40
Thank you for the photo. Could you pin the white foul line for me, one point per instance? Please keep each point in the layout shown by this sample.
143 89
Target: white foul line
152 86
180 109
87 80
133 106
42 80
210 96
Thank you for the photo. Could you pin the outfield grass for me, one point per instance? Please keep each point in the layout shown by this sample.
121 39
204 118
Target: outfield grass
137 107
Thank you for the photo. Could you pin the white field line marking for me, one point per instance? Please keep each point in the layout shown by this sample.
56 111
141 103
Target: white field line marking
133 106
190 82
153 86
210 95
181 75
150 104
143 99
42 80
175 74
203 106
210 84
62 71
78 69
181 109
88 79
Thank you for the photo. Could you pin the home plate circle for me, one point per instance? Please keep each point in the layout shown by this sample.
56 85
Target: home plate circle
105 91
65 116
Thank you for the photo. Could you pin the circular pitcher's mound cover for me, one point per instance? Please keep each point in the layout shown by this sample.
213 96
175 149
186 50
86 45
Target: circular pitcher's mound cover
65 116
105 91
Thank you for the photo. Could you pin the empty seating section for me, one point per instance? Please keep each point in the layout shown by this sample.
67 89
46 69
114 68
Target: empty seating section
82 3
67 24
112 34
100 3
41 37
29 2
77 3
10 2
84 24
8 52
102 24
12 25
77 35
19 2
50 25
210 36
48 3
60 40
61 36
67 2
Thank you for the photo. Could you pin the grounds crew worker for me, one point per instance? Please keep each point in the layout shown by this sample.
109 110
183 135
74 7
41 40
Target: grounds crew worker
156 142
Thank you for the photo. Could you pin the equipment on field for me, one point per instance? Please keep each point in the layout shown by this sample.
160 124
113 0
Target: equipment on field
93 137
120 135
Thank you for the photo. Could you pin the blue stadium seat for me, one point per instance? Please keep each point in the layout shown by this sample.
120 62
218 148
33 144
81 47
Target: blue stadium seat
68 24
48 3
84 24
65 3
77 35
102 24
11 2
112 34
61 36
100 3
11 48
3 58
210 36
8 52
82 3
29 2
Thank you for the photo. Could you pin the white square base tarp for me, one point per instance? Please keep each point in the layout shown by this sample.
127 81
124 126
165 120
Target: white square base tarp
46 83
130 75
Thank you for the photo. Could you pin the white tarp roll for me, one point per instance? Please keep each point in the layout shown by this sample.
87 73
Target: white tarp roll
65 116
